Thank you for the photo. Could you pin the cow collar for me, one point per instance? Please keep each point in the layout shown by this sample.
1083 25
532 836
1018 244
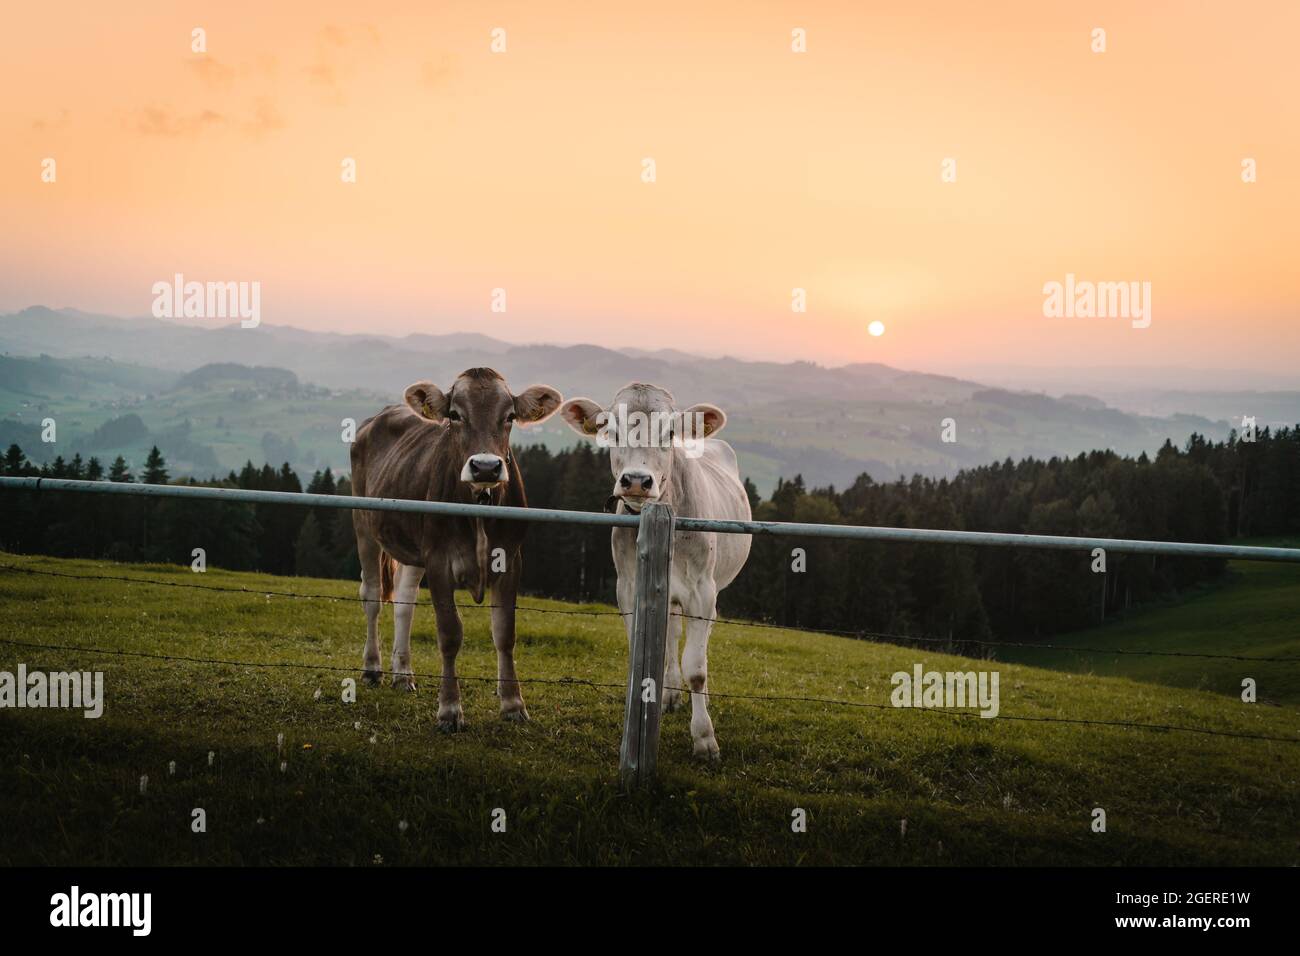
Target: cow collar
489 496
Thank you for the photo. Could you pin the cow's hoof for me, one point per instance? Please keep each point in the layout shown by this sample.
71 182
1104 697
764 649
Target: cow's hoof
451 721
404 682
672 698
706 748
518 713
372 678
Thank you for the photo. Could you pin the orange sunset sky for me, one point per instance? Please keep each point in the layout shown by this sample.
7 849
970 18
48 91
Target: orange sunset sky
775 170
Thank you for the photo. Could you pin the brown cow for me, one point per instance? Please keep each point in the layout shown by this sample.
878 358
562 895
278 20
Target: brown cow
452 446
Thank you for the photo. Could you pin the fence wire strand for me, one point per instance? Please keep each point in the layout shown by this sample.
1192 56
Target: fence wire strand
858 634
597 685
574 681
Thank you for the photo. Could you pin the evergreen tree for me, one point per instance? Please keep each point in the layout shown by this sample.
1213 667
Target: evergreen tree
155 468
15 461
311 559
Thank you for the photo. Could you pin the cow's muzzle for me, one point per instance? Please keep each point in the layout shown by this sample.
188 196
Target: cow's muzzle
636 489
636 483
484 471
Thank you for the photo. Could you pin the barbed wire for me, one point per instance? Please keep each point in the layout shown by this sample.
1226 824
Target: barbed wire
955 642
287 594
860 634
296 665
598 685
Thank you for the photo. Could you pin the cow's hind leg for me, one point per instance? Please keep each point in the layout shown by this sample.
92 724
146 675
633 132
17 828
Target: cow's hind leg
672 695
450 635
406 591
700 611
371 556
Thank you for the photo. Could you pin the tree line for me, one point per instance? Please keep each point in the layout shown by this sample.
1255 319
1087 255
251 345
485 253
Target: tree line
1204 492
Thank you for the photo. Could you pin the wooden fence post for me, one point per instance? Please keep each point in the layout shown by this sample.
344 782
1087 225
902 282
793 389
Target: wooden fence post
645 666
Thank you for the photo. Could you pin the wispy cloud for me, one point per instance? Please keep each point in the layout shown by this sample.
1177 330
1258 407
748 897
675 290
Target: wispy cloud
262 118
266 118
436 74
339 51
212 71
164 121
43 125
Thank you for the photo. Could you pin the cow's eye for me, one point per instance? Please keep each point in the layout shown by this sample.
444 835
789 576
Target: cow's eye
511 417
453 415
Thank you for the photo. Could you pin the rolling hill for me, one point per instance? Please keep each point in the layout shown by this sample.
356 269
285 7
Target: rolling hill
1257 614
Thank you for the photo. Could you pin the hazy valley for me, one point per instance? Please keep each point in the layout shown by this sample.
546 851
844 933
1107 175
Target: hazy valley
214 397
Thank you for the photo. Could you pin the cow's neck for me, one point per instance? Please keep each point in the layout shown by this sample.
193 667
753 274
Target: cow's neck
678 479
511 493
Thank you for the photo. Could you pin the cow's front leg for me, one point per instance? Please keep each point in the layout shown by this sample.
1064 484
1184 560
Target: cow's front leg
700 611
625 592
370 555
450 635
672 695
623 541
406 591
504 590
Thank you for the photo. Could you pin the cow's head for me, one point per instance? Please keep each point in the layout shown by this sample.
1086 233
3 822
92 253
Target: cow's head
644 431
479 412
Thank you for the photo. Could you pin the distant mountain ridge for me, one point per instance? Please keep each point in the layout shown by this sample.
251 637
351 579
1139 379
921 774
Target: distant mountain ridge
829 424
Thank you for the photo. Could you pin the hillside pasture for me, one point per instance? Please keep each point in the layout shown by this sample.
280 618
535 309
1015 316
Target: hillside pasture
373 782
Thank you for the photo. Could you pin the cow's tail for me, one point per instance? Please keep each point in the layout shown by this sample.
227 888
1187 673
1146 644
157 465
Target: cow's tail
387 574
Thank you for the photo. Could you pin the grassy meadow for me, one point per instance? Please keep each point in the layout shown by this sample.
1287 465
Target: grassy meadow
1257 614
374 783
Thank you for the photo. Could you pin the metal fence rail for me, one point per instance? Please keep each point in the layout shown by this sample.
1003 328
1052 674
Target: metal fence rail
788 529
303 499
656 525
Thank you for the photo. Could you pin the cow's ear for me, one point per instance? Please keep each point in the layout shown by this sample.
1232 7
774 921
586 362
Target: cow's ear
703 421
582 415
536 404
427 400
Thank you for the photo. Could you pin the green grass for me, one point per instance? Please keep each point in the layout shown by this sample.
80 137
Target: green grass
972 791
1256 614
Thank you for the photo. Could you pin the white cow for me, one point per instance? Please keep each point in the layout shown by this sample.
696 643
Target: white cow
660 454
